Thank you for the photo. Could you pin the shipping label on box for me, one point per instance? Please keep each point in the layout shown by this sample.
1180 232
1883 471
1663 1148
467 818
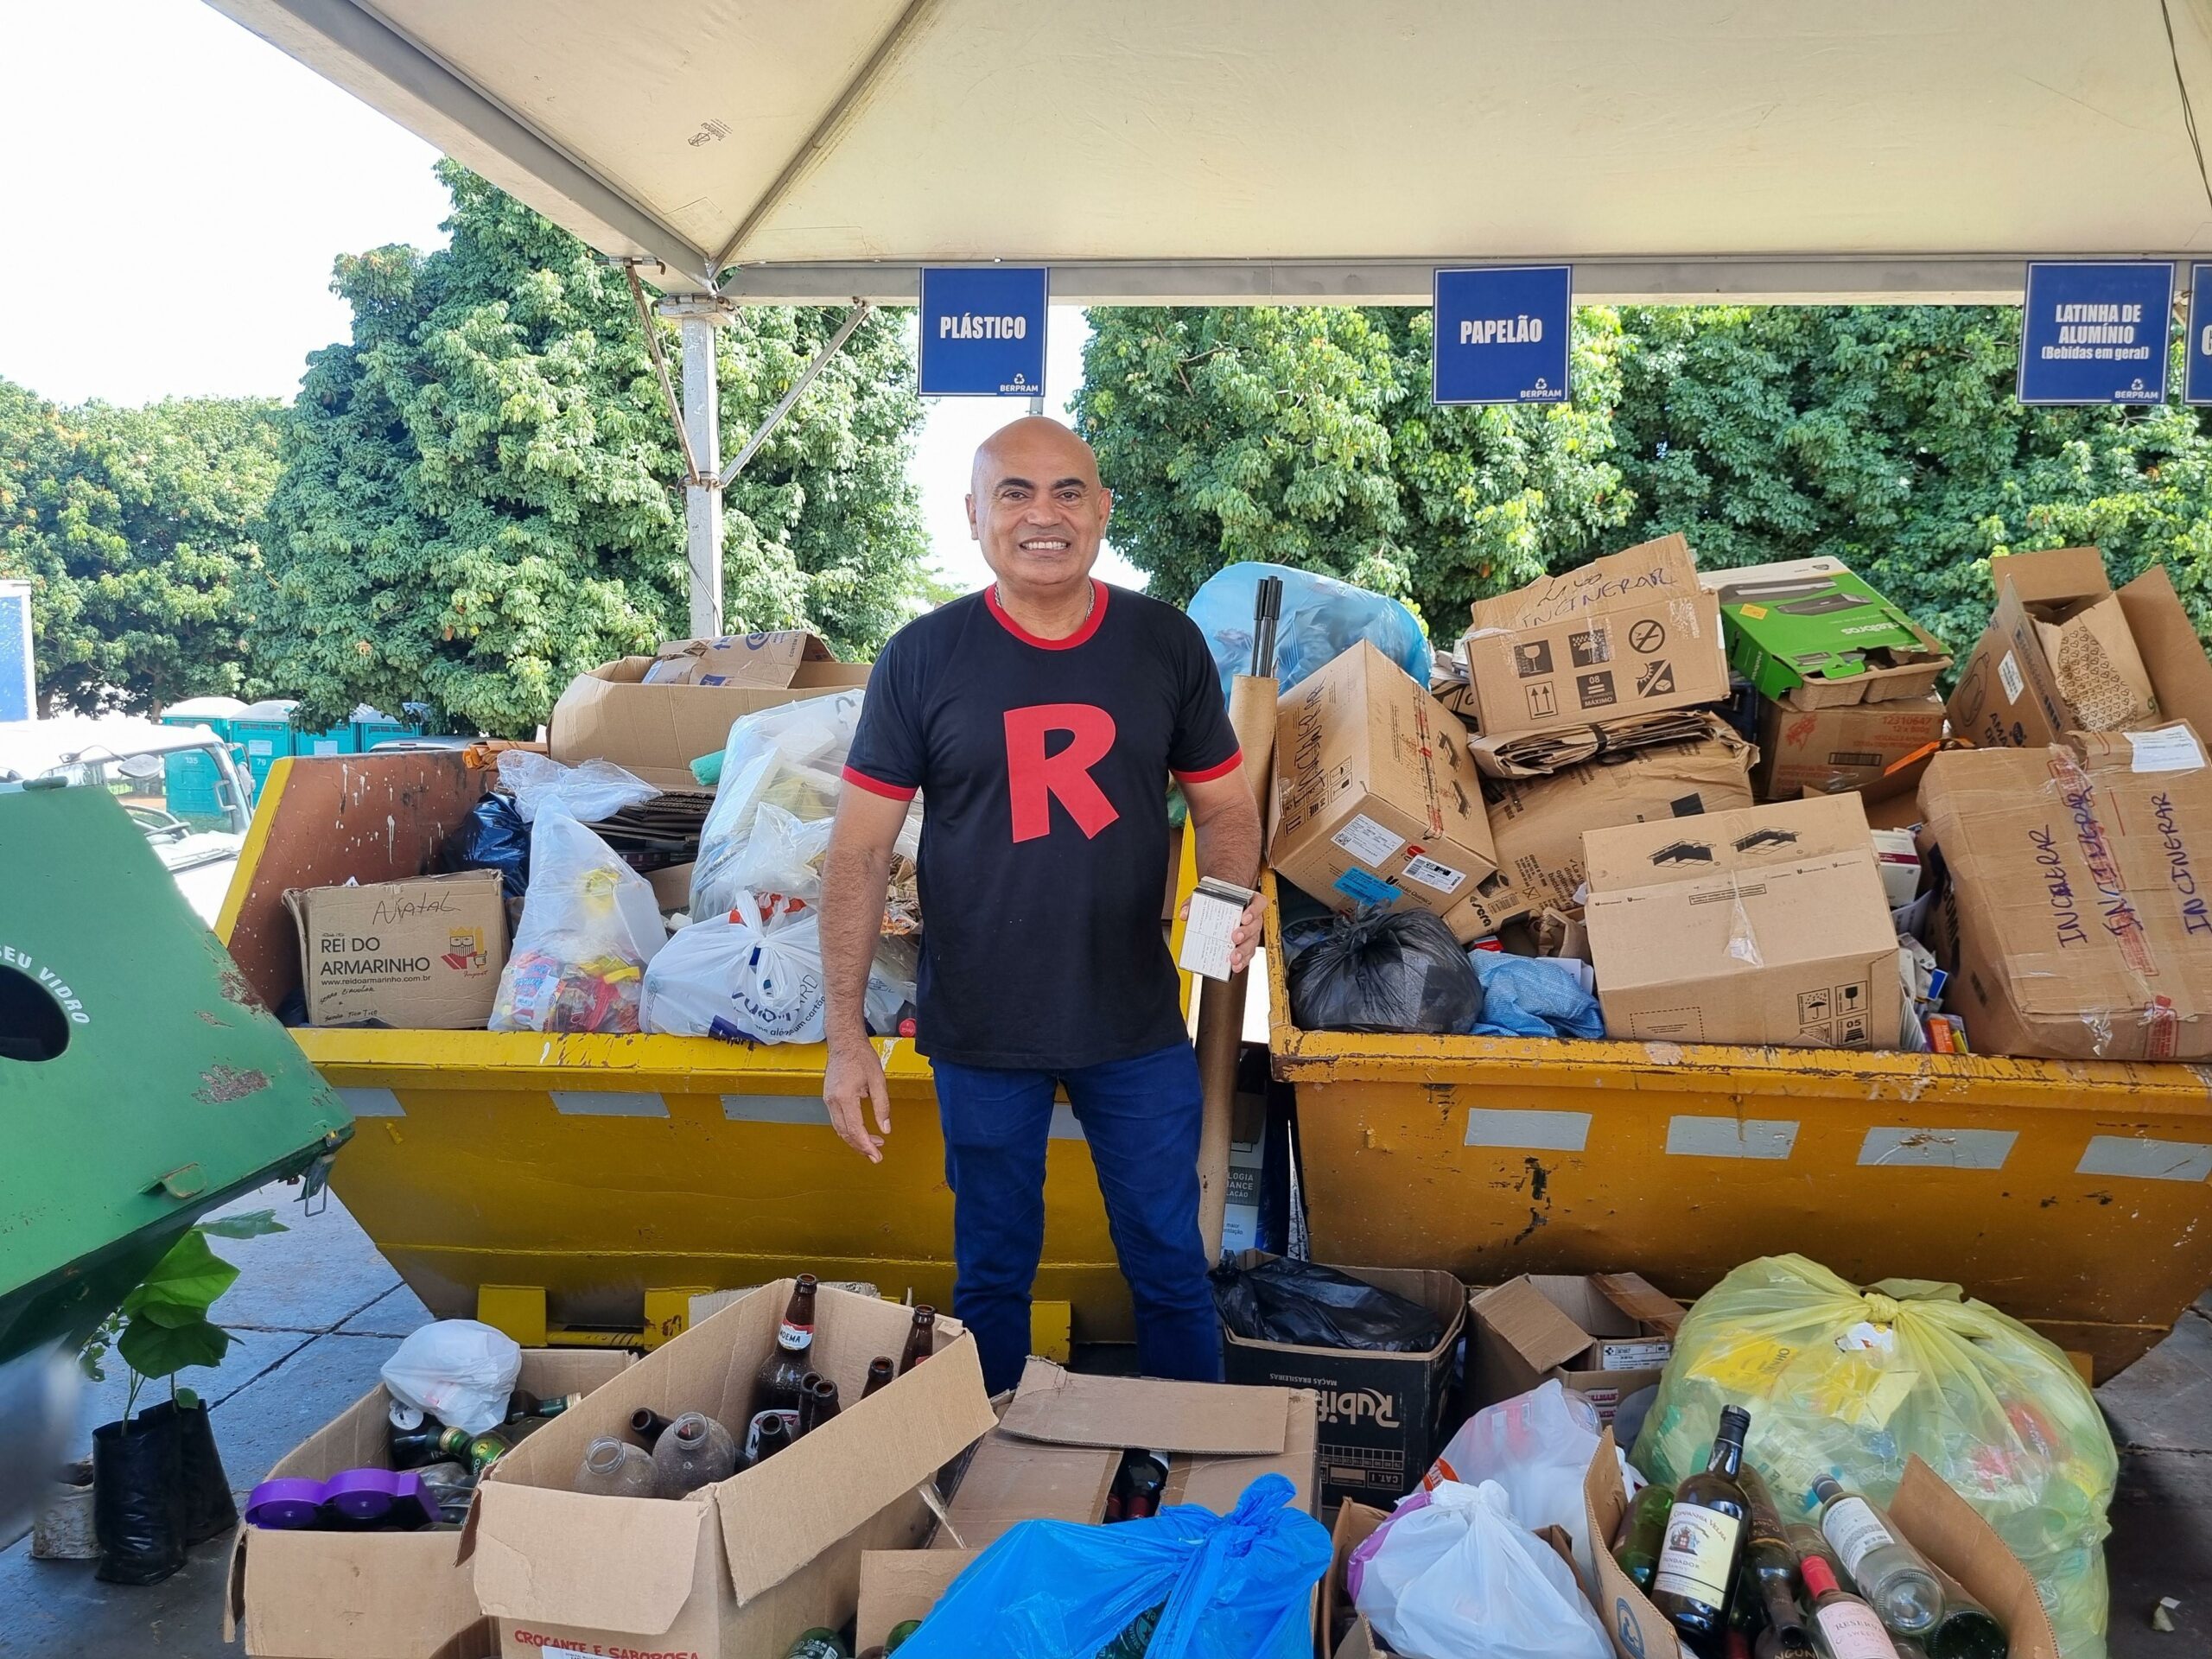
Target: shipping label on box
421 955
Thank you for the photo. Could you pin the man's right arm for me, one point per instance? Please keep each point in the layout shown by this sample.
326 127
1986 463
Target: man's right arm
855 879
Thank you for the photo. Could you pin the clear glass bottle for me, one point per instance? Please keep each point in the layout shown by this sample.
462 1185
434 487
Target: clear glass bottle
696 1452
1889 1572
615 1468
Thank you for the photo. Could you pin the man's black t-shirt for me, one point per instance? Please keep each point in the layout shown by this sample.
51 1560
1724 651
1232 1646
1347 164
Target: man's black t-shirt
1043 765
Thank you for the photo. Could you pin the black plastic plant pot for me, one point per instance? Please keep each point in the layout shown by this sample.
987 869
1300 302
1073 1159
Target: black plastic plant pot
205 1507
136 1469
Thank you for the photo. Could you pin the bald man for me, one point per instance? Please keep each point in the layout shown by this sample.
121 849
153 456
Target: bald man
1041 720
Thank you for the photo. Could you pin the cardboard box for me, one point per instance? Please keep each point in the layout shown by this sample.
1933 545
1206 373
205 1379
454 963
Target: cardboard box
657 731
1624 634
373 1595
897 1584
2063 653
1879 749
1381 1415
1355 1523
1376 801
1054 1453
1605 1335
2074 920
764 661
1537 824
739 1568
423 954
1766 925
1936 1520
1810 634
1540 754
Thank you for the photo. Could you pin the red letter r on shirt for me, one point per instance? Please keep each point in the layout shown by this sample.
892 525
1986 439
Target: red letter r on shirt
1034 779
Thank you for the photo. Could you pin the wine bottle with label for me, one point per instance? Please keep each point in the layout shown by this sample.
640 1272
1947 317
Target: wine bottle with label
1704 1541
1849 1628
1888 1571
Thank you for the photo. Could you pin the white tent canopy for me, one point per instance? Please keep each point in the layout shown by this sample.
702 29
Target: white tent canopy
1266 151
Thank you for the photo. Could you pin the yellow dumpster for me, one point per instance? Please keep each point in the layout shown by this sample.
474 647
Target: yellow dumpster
2070 1194
586 1185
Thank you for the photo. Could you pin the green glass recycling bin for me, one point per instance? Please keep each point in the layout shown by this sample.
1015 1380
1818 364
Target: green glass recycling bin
142 1082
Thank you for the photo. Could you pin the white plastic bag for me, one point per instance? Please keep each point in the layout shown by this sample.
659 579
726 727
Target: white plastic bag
589 926
1451 1574
739 978
1537 1447
589 792
459 1371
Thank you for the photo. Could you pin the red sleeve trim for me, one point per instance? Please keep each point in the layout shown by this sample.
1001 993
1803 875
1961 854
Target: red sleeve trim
1235 761
877 786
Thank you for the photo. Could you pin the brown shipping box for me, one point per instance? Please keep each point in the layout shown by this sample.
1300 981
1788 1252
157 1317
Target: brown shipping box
373 1595
1935 1520
2064 654
1054 1453
766 661
423 955
1604 1335
1355 1523
2076 923
1767 924
738 1568
1377 801
1537 824
657 731
897 1584
1625 634
1879 749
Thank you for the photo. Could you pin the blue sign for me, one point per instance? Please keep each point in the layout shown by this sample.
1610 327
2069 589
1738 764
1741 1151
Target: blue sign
18 687
2096 334
2196 380
1502 334
982 331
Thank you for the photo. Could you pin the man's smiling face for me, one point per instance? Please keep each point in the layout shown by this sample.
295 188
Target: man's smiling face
1037 508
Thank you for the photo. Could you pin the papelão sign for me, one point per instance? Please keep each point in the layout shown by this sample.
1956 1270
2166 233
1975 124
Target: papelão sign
1502 334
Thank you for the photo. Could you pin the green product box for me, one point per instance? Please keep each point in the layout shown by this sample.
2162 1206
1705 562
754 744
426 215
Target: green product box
1810 634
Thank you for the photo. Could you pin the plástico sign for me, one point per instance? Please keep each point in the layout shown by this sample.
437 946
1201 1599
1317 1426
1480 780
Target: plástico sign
982 331
2096 334
2196 360
1501 333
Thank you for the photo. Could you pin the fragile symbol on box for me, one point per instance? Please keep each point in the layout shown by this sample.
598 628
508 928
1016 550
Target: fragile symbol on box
1541 702
1590 648
1533 657
1596 690
1850 998
1657 679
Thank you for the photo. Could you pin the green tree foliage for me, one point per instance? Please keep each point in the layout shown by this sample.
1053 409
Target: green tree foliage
136 528
479 497
1306 437
1889 437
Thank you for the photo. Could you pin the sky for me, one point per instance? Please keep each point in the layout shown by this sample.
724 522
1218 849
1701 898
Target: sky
169 139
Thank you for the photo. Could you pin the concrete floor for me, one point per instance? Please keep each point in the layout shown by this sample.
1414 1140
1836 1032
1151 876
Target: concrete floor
316 1312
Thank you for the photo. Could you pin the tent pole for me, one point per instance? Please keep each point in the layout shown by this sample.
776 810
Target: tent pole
857 317
697 320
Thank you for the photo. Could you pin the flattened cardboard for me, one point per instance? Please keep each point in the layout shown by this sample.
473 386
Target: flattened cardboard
764 662
1587 1329
2074 922
1537 824
1055 1451
1543 754
422 955
1624 634
1766 925
736 1568
657 731
897 1584
1811 634
1376 801
337 1595
1879 749
1381 1415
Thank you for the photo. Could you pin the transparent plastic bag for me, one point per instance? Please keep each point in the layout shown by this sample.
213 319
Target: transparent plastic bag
1850 1382
892 984
458 1370
739 978
587 793
1320 618
1387 970
1454 1574
1232 1587
590 925
1535 1448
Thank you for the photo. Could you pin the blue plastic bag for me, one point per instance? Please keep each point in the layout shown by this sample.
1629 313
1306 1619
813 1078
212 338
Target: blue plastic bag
1235 1586
1533 996
1320 617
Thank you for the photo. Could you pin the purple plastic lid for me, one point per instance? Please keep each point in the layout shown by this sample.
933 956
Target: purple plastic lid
359 1495
285 1505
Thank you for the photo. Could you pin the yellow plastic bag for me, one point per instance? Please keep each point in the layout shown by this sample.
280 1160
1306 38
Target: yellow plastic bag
1850 1382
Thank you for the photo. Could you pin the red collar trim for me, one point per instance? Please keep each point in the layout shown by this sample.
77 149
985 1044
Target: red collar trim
1098 589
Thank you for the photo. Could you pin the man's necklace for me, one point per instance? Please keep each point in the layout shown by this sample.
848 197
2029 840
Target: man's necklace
1089 602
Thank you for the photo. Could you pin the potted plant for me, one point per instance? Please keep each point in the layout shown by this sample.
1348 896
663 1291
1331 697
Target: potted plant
158 1484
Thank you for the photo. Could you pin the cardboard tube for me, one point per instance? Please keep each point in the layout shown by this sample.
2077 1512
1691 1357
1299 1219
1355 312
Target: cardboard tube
1221 1003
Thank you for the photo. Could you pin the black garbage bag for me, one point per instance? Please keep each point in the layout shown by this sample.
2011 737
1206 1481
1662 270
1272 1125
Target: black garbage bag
1389 970
205 1507
136 1467
492 837
1315 1306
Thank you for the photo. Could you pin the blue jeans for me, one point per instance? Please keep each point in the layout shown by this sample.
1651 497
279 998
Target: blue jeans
1141 1117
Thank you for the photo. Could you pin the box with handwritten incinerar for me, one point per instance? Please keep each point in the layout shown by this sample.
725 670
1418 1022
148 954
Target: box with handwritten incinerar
1376 801
425 954
1626 634
1382 1413
2076 920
